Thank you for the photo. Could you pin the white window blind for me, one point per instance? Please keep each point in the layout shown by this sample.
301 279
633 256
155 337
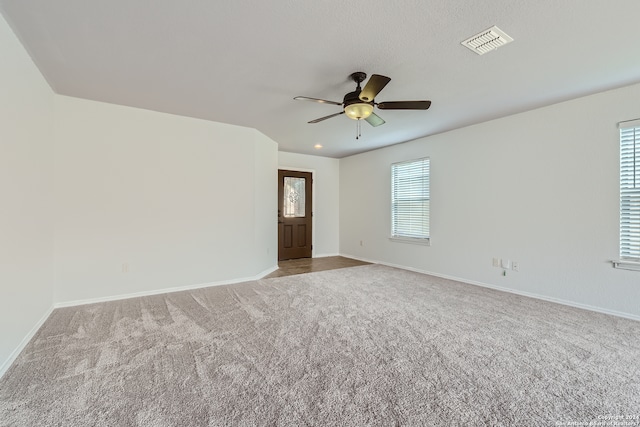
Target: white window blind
410 199
630 190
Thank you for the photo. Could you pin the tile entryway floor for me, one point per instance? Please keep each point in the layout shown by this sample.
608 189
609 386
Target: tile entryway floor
308 265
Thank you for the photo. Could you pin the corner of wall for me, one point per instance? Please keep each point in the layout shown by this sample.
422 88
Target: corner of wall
26 297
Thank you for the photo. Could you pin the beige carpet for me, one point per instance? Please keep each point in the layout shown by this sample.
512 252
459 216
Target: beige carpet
366 345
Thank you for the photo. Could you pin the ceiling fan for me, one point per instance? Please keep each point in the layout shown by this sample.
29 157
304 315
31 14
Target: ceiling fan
360 103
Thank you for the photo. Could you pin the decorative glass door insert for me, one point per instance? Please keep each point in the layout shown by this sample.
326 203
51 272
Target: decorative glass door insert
294 197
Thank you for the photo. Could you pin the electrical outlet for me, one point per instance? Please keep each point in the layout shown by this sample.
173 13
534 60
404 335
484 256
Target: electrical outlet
515 266
496 262
125 267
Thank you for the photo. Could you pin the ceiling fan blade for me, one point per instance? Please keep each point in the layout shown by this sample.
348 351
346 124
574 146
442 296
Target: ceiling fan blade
326 117
322 101
375 120
404 105
375 84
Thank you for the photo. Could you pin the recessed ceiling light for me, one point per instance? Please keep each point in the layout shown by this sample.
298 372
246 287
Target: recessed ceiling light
317 146
487 40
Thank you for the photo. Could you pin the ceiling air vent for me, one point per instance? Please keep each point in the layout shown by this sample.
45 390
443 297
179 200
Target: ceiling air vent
487 40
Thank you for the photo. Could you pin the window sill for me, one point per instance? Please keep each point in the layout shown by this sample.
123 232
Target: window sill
412 240
627 265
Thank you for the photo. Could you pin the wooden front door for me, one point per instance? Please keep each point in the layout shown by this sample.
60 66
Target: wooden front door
294 215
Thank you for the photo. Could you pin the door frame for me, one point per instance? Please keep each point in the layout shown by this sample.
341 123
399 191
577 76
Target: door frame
313 203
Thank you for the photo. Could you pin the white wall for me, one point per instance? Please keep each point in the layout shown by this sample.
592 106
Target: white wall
265 189
177 201
25 185
540 188
326 188
88 188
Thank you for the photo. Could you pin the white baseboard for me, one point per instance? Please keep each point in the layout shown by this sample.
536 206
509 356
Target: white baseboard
12 357
164 290
324 255
264 273
503 289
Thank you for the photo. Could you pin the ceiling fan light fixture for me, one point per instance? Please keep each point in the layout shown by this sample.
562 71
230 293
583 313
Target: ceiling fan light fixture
358 110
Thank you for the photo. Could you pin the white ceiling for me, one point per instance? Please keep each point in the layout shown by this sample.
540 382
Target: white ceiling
242 62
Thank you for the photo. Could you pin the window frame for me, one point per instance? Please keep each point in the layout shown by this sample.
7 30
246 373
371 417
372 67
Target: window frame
629 207
397 235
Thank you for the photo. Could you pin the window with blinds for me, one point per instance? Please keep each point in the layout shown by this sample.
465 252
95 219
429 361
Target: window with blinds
630 190
410 200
